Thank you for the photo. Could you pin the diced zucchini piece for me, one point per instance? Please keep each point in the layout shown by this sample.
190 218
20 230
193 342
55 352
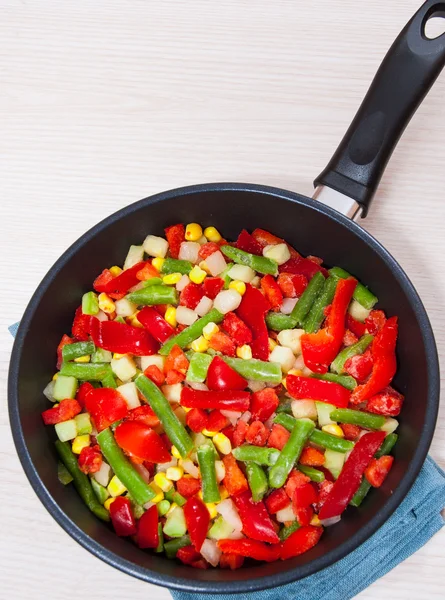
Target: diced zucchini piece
65 387
90 304
130 393
101 356
135 255
101 492
66 431
175 525
324 410
83 424
334 461
49 391
124 368
220 529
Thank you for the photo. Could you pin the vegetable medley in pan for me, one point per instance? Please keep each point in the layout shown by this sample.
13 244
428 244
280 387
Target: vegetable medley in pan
220 401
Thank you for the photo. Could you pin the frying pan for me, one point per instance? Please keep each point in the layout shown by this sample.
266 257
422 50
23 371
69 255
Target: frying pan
347 185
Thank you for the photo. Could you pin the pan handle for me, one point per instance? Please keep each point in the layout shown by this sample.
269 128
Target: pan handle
404 78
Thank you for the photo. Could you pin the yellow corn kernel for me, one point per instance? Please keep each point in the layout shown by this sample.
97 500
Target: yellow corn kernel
106 303
159 493
315 521
223 492
173 505
222 443
200 494
244 352
208 433
193 232
117 356
170 316
200 344
284 383
83 359
174 473
272 344
297 372
211 507
163 482
333 429
209 330
238 286
157 263
171 278
185 409
108 502
203 265
55 376
197 275
175 452
115 271
134 320
79 443
116 487
212 234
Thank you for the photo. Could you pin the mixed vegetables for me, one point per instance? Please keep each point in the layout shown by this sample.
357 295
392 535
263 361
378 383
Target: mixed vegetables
220 401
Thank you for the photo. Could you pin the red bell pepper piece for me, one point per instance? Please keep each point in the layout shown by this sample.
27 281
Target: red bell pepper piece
66 410
222 377
122 517
257 434
197 519
81 325
385 365
106 406
231 561
324 489
154 373
248 243
295 479
359 366
251 549
187 486
175 235
239 434
349 338
319 349
378 469
276 500
222 343
122 338
235 481
350 476
302 266
252 311
375 321
217 421
63 342
144 414
351 431
292 285
278 437
102 280
264 404
147 526
122 282
212 286
222 400
176 360
155 324
174 377
147 272
207 250
265 238
300 541
83 391
388 403
141 441
304 496
237 329
191 295
357 328
90 459
300 387
188 555
311 457
272 291
197 419
255 519
228 432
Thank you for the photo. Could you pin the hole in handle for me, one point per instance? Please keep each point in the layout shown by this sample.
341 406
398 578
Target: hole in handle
434 26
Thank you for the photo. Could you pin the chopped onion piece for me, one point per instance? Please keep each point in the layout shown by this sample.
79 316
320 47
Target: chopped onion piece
291 338
162 467
277 252
125 308
304 408
287 306
190 468
135 255
172 392
390 425
130 394
215 263
182 283
220 470
285 514
189 251
102 316
227 301
143 472
232 415
270 421
246 416
154 359
196 385
102 476
242 273
211 552
235 535
49 391
331 521
227 509
357 311
185 316
256 386
284 356
203 306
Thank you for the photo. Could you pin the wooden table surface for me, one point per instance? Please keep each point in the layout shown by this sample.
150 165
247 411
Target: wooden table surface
103 103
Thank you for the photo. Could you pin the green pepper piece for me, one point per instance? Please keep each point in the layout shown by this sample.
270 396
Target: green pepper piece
135 484
257 481
288 530
345 380
172 546
257 370
358 348
307 299
290 454
257 454
206 461
261 264
357 417
101 493
80 480
173 265
313 474
361 293
191 333
90 304
85 371
175 431
199 365
154 294
316 314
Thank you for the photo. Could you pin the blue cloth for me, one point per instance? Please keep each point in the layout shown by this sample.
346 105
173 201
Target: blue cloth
416 520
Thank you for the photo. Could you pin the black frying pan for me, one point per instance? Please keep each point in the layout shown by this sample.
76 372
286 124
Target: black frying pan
348 183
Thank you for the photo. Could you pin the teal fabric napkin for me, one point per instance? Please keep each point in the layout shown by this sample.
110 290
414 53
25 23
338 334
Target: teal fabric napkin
416 520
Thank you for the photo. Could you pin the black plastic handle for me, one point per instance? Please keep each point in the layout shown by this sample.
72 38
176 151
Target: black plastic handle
404 78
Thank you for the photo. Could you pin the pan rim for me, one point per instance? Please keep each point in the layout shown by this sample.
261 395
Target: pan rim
258 583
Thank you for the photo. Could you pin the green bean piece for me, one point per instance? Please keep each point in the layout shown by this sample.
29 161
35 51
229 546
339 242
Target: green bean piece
173 496
173 265
172 546
320 438
206 461
191 333
278 321
290 454
175 431
316 314
256 370
313 474
257 481
224 275
199 365
264 265
80 480
261 455
361 293
285 420
357 417
285 406
288 530
90 304
63 475
86 371
345 380
359 347
135 484
154 294
307 299
387 446
152 281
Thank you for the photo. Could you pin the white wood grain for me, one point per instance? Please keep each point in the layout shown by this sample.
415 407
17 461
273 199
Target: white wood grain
103 103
